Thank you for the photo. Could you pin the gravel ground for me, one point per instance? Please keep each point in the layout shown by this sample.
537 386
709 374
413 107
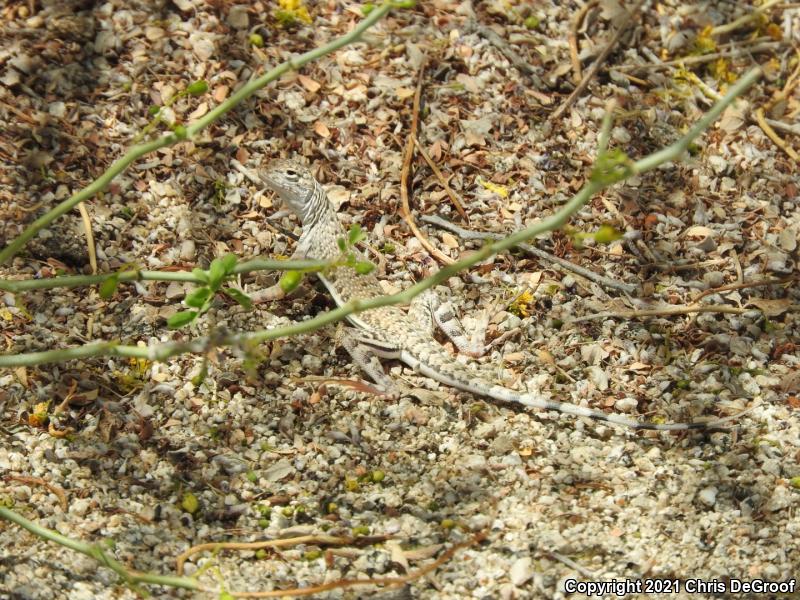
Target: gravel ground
290 445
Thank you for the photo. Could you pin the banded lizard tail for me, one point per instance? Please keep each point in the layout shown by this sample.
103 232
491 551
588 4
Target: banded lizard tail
390 332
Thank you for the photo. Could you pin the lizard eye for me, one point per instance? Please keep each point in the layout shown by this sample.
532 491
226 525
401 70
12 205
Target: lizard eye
291 173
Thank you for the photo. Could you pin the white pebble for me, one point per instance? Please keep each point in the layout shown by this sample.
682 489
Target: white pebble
708 496
521 570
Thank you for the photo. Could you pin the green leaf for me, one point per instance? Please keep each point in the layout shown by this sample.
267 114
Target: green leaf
179 319
201 374
108 287
367 8
256 40
355 235
200 274
612 166
290 280
364 267
198 88
342 244
198 297
531 22
180 132
154 110
240 297
606 234
190 503
229 262
216 273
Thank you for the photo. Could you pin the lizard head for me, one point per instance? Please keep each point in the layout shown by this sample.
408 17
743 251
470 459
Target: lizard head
293 182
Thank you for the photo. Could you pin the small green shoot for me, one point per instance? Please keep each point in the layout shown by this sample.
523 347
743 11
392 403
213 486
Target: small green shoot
109 287
348 259
612 166
200 298
197 88
290 280
606 234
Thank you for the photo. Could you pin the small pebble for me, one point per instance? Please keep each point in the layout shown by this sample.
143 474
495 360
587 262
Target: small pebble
521 571
708 496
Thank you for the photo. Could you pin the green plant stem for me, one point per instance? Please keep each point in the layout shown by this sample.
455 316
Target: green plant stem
555 221
96 552
69 281
140 150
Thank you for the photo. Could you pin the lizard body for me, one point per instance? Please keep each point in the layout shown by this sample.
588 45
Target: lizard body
390 332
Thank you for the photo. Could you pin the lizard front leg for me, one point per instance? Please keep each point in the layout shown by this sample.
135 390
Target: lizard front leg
274 292
365 350
428 306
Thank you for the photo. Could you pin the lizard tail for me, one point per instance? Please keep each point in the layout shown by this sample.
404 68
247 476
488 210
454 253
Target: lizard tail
450 376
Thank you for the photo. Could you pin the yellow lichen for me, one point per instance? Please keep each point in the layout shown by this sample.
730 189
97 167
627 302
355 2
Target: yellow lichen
500 190
291 11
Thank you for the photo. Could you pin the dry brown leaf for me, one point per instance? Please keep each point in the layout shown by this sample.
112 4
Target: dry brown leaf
404 92
397 554
734 117
699 231
474 139
791 382
198 112
638 366
308 83
449 241
322 130
435 151
423 553
22 375
514 357
221 92
771 308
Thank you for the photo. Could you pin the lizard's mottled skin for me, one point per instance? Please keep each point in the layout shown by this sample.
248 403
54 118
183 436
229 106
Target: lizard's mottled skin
390 332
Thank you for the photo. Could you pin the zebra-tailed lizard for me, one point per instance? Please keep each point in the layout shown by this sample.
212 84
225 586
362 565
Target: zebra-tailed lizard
390 332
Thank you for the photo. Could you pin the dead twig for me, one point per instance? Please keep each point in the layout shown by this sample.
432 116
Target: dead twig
704 58
572 564
58 491
743 285
551 258
745 19
379 581
319 540
87 226
598 63
505 49
758 113
442 181
341 583
405 173
776 139
577 73
781 126
666 311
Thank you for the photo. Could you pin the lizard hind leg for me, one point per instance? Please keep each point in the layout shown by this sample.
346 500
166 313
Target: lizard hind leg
365 351
429 306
